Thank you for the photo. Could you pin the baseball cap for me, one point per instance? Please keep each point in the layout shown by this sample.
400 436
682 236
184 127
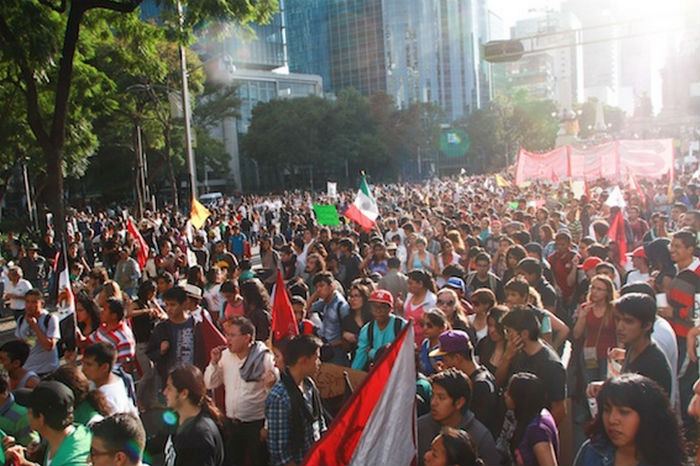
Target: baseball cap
452 341
639 252
456 283
590 263
193 291
382 296
49 397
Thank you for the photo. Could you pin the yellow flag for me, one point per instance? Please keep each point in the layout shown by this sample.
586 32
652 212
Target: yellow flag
501 182
198 214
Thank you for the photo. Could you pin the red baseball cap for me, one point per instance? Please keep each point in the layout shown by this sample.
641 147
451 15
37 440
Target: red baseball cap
591 263
639 252
382 296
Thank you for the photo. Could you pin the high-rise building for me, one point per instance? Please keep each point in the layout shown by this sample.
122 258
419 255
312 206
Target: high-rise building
258 65
422 51
555 73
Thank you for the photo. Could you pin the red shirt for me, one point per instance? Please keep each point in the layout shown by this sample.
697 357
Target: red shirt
561 265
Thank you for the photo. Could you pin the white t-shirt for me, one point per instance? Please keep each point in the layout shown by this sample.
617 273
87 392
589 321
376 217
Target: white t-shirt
118 398
20 289
215 299
40 360
664 336
637 276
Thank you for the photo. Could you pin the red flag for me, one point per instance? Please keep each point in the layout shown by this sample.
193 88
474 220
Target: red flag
617 233
283 321
142 256
213 338
588 193
635 186
554 177
377 425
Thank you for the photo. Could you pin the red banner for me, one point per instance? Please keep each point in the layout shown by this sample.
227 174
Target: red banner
549 166
617 160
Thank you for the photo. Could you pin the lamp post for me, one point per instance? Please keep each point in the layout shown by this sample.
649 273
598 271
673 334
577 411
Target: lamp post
186 109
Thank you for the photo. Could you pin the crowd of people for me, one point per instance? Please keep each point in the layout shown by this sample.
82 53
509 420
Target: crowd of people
542 337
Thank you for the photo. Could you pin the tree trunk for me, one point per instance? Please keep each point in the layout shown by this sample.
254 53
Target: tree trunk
54 191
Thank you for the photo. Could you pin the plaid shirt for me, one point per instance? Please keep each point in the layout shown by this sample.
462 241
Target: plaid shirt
277 412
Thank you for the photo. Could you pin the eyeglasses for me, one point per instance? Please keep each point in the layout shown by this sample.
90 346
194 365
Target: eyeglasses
97 453
442 302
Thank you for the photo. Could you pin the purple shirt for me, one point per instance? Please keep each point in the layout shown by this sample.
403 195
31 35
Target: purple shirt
541 429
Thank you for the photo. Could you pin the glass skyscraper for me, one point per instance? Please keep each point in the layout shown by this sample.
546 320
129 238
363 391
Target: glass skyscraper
422 50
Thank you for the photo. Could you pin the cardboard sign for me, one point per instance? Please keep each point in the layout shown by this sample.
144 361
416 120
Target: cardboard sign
331 382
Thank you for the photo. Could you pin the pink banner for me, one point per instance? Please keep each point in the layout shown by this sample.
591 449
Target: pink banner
550 166
614 160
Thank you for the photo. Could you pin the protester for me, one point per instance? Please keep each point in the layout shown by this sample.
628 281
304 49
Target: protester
491 348
50 409
13 417
452 447
198 437
420 298
256 303
13 356
434 324
526 353
16 290
246 369
178 340
293 406
334 308
536 438
98 363
90 404
457 351
382 330
39 329
633 415
118 440
449 408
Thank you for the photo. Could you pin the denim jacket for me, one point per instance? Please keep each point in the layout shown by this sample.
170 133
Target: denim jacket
598 452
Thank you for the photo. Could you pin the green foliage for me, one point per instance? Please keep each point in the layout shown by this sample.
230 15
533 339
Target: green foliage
352 132
614 118
505 125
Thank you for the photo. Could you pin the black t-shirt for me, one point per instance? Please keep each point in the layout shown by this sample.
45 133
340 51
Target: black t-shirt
197 442
547 293
499 292
546 365
486 400
143 324
651 363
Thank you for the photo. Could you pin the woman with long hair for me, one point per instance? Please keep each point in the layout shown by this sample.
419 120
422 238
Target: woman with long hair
448 302
421 297
434 323
595 322
514 254
447 254
198 438
87 314
490 349
452 447
635 424
535 440
483 300
256 302
422 259
360 314
315 264
90 406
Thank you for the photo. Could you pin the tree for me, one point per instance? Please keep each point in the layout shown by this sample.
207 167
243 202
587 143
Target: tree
37 34
614 118
508 123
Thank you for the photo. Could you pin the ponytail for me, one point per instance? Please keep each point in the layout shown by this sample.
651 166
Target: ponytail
189 377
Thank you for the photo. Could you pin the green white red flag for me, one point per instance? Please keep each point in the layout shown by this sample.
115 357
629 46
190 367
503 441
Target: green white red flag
364 210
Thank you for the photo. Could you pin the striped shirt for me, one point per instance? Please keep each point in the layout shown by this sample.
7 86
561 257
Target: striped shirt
15 422
121 337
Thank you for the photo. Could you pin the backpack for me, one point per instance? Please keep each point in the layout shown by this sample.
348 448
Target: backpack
398 323
492 281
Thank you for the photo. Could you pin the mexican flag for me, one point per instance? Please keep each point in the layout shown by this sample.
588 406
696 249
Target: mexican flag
364 210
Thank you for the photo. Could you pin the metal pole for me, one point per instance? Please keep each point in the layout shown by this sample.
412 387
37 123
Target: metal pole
187 111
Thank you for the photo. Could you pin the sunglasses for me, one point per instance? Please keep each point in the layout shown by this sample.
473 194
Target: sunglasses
442 302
